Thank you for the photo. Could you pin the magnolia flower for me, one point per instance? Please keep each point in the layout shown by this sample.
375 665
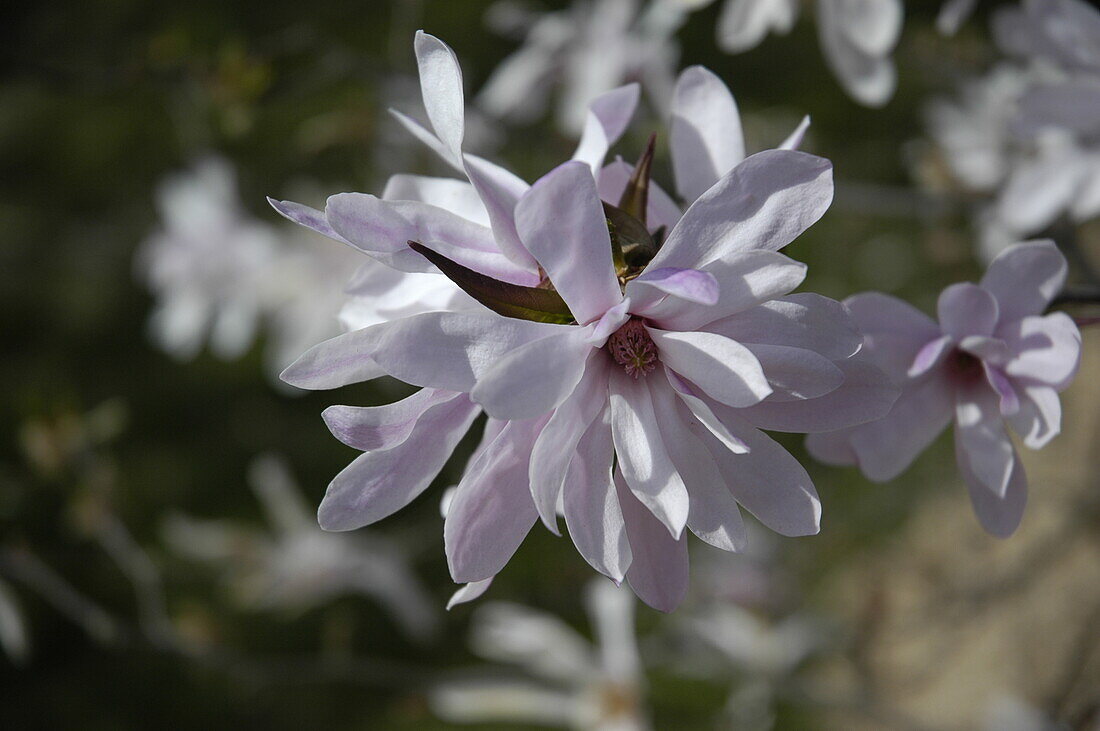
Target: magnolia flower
588 49
296 565
1065 33
685 316
856 36
579 686
220 274
992 359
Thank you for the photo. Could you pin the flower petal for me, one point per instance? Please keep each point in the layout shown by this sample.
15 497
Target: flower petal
556 444
384 229
1040 416
608 116
767 481
723 368
796 374
561 221
745 280
492 512
500 191
469 592
705 132
866 394
450 194
661 211
1025 278
302 215
981 439
763 203
1047 349
382 427
744 23
592 511
640 448
712 514
967 309
931 355
535 377
893 331
794 139
658 571
690 285
379 483
999 514
441 88
437 349
802 320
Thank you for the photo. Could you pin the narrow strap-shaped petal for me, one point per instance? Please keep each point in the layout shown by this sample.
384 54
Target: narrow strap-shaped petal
554 448
303 215
381 427
441 88
561 221
794 139
427 138
500 191
796 374
643 459
492 512
705 132
607 119
744 23
767 481
592 512
857 40
1040 416
800 320
980 435
437 349
724 369
764 203
379 483
451 194
999 514
469 592
658 571
535 377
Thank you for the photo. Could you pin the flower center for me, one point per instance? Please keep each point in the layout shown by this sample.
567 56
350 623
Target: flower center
633 349
964 367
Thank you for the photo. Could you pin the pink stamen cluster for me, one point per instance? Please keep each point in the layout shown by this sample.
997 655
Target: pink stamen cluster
633 349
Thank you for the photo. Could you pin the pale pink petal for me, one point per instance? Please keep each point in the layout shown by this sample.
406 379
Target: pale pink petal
744 23
562 223
745 280
702 412
436 349
608 116
441 88
767 481
802 320
866 394
591 506
500 191
384 229
930 355
642 456
886 447
555 446
535 377
722 368
796 374
712 514
469 592
1025 278
1009 399
763 203
689 285
704 133
658 571
981 439
381 427
856 39
992 350
381 482
999 514
492 512
894 331
427 138
1040 416
450 194
661 211
1046 349
967 309
832 448
305 216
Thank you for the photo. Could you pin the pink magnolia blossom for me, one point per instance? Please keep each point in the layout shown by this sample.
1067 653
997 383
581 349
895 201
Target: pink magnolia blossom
704 335
993 359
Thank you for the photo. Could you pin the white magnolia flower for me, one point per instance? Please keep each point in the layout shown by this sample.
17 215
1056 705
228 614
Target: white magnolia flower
571 683
588 49
296 565
220 275
857 38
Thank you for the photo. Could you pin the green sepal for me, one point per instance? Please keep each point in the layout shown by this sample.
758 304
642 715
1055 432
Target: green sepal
635 197
631 243
511 300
